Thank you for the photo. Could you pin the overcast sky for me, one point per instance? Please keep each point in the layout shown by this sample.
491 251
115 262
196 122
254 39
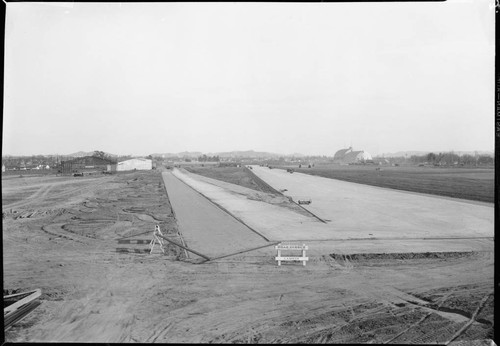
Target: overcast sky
311 78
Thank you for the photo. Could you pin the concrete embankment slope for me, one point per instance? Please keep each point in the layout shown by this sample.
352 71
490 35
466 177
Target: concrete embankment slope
205 227
274 222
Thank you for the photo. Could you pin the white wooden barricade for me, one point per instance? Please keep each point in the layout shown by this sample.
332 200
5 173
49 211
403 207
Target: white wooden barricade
291 247
156 239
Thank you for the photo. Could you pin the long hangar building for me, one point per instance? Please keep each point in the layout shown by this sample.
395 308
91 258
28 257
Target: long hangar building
135 164
87 164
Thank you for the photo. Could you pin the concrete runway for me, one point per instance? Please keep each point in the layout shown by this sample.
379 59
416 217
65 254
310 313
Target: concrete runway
360 234
274 222
367 211
205 227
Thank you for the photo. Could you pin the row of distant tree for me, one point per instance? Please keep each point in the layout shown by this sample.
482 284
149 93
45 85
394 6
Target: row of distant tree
205 158
30 161
113 158
451 158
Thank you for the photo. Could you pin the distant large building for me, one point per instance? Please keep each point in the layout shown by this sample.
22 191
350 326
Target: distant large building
87 164
135 164
349 156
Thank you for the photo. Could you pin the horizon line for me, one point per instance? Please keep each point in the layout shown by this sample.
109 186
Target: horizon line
257 151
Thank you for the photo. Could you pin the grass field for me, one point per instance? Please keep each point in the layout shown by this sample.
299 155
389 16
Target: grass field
234 175
468 183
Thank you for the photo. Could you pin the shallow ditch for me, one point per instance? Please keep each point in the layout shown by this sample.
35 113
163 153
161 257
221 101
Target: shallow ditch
401 256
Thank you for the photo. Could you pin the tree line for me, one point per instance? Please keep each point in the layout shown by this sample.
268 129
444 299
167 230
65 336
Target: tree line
451 158
205 158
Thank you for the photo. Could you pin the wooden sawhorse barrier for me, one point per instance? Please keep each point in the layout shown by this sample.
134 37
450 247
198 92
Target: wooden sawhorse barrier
291 247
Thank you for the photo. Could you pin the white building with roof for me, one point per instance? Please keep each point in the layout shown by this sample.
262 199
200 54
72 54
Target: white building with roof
135 164
349 156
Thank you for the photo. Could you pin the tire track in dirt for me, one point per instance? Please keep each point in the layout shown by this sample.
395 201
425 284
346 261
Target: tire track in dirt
39 193
416 324
472 319
57 230
91 187
43 193
161 333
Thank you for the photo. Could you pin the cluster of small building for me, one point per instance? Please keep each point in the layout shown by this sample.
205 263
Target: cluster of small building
24 168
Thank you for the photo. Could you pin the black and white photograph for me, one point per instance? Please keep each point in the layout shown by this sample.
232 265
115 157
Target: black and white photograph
249 172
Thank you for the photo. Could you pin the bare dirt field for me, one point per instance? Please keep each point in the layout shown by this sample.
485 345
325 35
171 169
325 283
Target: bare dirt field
83 241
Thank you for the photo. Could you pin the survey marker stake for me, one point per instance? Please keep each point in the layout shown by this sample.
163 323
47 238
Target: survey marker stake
156 233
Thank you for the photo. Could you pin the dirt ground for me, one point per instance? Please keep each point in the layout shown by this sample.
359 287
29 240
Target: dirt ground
83 241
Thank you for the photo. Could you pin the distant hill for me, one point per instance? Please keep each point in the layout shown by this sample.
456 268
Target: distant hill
86 153
81 154
164 154
227 154
196 154
299 155
247 153
404 153
479 152
255 154
192 154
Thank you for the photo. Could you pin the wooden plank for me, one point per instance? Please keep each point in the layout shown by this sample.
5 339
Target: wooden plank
291 247
134 241
20 313
35 294
292 258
